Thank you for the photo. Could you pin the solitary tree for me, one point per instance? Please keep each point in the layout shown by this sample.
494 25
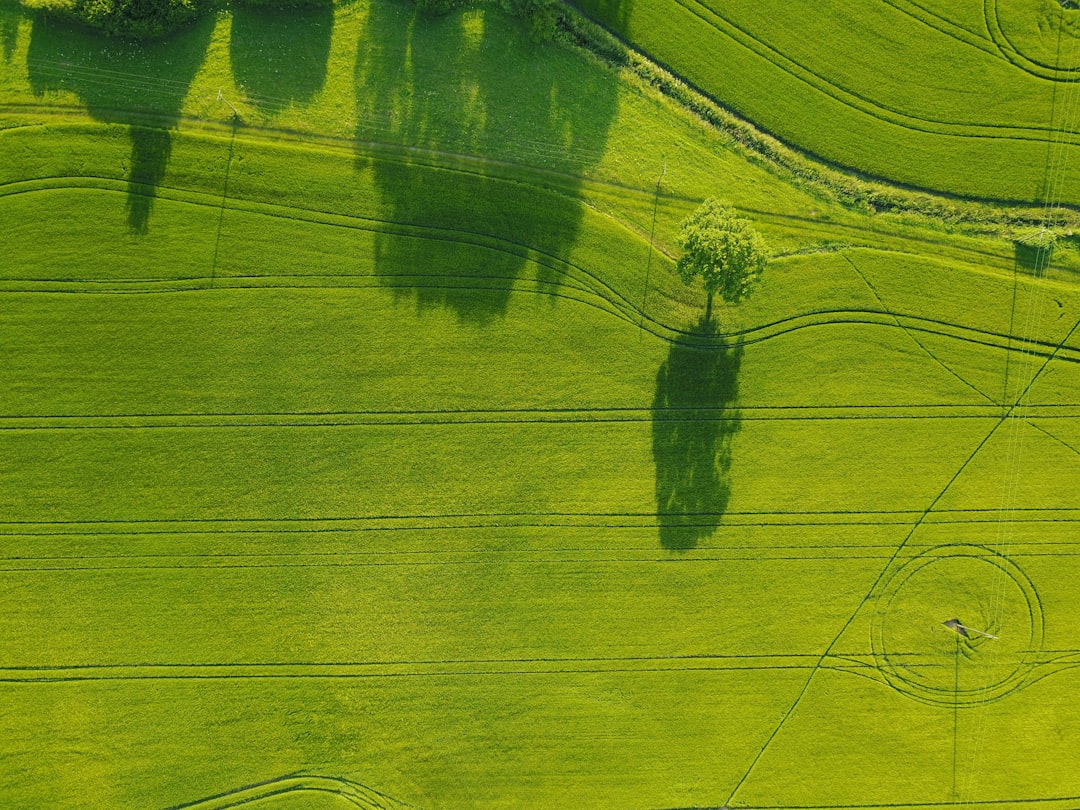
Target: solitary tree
722 248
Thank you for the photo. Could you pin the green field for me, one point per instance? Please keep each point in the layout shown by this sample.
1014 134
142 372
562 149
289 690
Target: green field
971 97
366 450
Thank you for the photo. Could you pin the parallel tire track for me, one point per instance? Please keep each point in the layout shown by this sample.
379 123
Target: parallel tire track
578 284
353 792
518 416
859 101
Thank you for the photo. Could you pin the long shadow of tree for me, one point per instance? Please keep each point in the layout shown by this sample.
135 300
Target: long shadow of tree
139 84
693 423
470 85
10 14
279 55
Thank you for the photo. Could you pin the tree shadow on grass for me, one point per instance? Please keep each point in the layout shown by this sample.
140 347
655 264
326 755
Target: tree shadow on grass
10 14
615 14
150 150
279 56
1034 258
464 231
694 421
139 84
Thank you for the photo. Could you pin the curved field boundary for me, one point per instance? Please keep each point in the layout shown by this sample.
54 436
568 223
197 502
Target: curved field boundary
859 101
858 110
853 236
565 185
349 791
573 277
751 137
590 289
998 45
721 341
568 184
1014 55
1040 671
560 154
945 26
316 216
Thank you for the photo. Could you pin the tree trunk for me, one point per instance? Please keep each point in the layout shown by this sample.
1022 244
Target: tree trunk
708 309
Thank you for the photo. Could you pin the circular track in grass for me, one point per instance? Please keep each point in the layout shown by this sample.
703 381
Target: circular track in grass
1040 36
957 625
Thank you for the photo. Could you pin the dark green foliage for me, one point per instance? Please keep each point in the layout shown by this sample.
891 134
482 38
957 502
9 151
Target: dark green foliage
437 7
136 19
284 4
577 31
722 248
9 29
541 17
151 19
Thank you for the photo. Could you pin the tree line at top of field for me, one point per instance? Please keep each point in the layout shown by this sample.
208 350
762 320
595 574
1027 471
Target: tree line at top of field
149 19
153 19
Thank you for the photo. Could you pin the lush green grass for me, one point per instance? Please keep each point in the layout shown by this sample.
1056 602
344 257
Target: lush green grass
967 110
369 439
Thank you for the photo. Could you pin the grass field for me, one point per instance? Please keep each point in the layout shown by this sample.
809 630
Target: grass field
976 105
368 452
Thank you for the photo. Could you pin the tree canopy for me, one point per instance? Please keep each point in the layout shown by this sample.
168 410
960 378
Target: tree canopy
136 19
146 19
722 248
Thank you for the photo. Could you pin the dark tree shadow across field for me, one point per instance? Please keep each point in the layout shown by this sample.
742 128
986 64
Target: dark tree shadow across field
473 85
10 14
693 423
139 84
279 55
